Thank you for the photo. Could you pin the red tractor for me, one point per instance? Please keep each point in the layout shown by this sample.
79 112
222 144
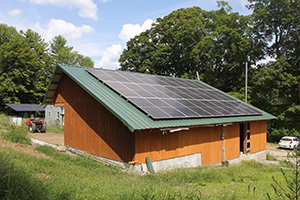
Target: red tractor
36 125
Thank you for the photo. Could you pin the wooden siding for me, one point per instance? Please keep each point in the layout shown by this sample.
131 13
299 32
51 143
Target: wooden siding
232 141
258 136
206 140
89 126
153 143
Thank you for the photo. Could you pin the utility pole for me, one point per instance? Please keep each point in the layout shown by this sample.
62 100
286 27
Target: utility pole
198 76
246 80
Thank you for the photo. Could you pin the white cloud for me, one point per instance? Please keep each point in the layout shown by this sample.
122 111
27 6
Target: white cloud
14 12
60 27
104 1
87 8
110 57
89 49
244 3
131 30
112 54
266 60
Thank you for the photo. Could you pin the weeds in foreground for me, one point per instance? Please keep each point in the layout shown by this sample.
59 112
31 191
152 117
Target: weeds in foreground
75 177
16 134
257 192
270 157
16 183
291 187
4 120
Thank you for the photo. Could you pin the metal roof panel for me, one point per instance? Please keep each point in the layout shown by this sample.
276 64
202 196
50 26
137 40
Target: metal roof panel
26 107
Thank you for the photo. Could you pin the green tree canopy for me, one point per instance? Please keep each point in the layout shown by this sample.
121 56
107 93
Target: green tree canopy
23 66
63 54
215 43
276 86
27 64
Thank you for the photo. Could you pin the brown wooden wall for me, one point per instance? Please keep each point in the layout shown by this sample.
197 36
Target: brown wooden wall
89 126
206 140
158 146
258 136
232 141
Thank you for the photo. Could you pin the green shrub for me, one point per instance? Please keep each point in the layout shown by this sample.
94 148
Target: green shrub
54 126
4 120
16 134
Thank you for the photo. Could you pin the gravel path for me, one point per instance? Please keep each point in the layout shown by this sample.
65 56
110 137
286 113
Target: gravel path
275 151
52 138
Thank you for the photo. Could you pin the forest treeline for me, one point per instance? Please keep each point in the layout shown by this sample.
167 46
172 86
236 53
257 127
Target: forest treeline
217 44
27 62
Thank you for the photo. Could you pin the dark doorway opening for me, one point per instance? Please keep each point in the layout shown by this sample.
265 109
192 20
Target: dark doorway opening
242 130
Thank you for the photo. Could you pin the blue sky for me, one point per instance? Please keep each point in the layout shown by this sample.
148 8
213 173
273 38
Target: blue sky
96 28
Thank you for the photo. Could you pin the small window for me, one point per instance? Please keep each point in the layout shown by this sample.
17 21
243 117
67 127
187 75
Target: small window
57 114
49 114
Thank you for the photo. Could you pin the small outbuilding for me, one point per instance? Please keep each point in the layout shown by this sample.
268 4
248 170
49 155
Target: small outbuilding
24 110
126 117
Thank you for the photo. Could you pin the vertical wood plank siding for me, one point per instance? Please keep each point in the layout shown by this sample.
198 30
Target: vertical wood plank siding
258 136
89 126
206 140
158 146
232 141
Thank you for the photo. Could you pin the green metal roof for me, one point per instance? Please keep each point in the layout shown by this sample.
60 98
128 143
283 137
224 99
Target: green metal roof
131 116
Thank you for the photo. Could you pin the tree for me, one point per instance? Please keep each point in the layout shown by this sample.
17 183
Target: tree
22 64
215 43
45 63
60 52
278 23
277 85
64 54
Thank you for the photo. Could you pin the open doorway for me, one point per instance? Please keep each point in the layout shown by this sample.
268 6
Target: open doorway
245 138
242 137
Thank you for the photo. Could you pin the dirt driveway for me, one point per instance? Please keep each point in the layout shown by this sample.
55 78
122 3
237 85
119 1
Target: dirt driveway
280 154
52 138
274 150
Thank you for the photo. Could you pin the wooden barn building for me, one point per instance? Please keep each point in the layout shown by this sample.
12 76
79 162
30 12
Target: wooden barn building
126 117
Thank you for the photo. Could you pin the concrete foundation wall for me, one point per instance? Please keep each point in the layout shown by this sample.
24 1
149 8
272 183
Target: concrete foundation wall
194 160
187 161
258 156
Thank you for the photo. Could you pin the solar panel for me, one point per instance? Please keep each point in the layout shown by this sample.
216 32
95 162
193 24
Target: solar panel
163 97
26 107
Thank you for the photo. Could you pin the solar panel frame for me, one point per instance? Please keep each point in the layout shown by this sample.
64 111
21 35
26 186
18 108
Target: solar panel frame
162 97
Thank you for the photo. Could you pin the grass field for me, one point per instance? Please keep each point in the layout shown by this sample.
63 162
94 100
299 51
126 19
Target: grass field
45 173
61 176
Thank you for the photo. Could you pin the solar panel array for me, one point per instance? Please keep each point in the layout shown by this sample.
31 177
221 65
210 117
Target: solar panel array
166 97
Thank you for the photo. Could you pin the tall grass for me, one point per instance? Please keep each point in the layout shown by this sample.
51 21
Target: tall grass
16 134
74 177
4 120
17 183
